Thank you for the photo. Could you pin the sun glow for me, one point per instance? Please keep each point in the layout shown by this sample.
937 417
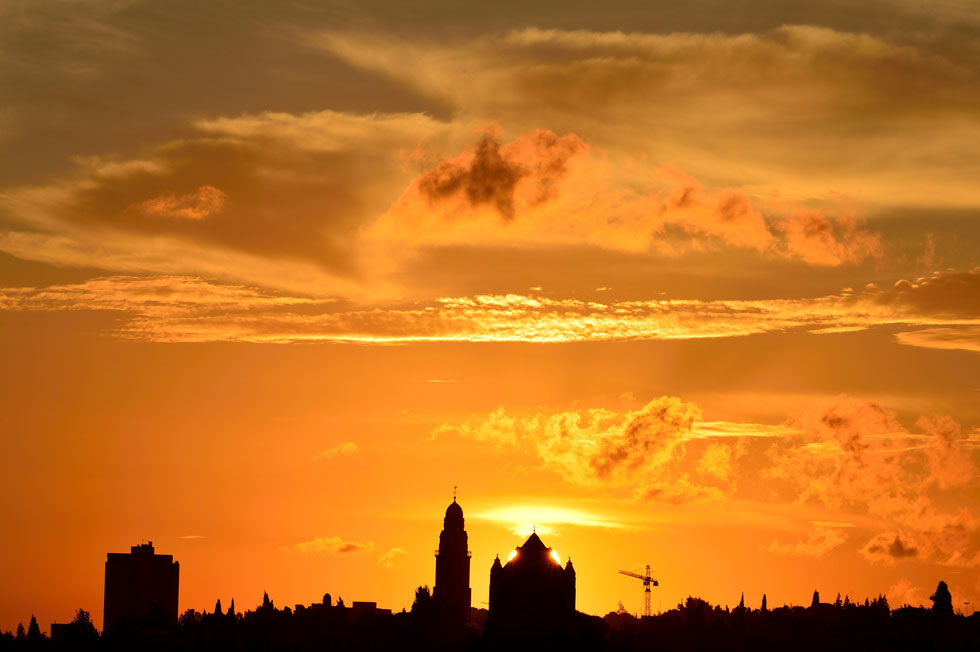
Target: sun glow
512 554
523 519
554 555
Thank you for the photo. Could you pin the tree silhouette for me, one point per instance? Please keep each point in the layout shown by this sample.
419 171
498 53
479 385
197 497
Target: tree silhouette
21 634
942 600
816 599
423 600
82 618
266 602
33 631
218 611
79 634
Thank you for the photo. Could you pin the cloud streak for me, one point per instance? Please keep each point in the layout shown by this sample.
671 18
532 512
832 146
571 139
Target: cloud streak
343 448
330 545
191 309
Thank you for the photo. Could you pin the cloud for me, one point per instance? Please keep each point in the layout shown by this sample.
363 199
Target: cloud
963 338
854 454
197 205
889 547
848 455
719 460
489 175
950 462
163 308
636 450
904 593
822 240
818 543
808 111
330 545
542 189
193 536
343 448
389 557
191 309
303 186
831 524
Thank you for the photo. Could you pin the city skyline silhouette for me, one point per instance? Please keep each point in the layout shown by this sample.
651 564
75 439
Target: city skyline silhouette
531 604
686 291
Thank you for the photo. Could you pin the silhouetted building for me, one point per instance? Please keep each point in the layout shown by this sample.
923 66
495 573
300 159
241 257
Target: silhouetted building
531 595
140 588
452 595
367 609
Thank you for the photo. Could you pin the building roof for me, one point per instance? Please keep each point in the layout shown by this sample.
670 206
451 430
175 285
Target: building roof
533 543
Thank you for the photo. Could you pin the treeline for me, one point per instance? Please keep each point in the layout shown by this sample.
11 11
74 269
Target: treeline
840 625
692 625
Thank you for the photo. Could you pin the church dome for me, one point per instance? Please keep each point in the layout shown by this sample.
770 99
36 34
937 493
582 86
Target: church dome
454 510
454 516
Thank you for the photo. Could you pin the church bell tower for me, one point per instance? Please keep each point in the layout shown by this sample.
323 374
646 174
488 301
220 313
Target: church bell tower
452 594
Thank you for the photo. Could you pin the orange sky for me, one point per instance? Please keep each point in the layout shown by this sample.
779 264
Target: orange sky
693 285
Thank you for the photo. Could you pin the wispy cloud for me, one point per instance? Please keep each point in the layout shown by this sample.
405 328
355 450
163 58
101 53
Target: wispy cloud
190 309
532 76
389 558
818 543
197 205
963 338
329 545
343 448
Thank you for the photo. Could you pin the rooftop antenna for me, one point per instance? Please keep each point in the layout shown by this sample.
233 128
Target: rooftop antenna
648 581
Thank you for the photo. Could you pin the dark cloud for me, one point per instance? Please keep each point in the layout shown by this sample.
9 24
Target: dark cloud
889 547
951 293
487 179
523 172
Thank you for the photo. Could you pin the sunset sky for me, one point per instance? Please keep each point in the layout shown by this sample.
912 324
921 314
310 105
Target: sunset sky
692 283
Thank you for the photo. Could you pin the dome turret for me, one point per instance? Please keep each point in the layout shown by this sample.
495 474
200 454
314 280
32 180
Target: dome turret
454 516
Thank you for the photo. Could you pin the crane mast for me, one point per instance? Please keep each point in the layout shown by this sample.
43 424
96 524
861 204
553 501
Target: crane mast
648 581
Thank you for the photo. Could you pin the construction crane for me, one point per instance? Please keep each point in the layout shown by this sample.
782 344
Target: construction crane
648 581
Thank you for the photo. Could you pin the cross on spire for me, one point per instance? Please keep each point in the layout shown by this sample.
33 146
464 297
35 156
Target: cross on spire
454 493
